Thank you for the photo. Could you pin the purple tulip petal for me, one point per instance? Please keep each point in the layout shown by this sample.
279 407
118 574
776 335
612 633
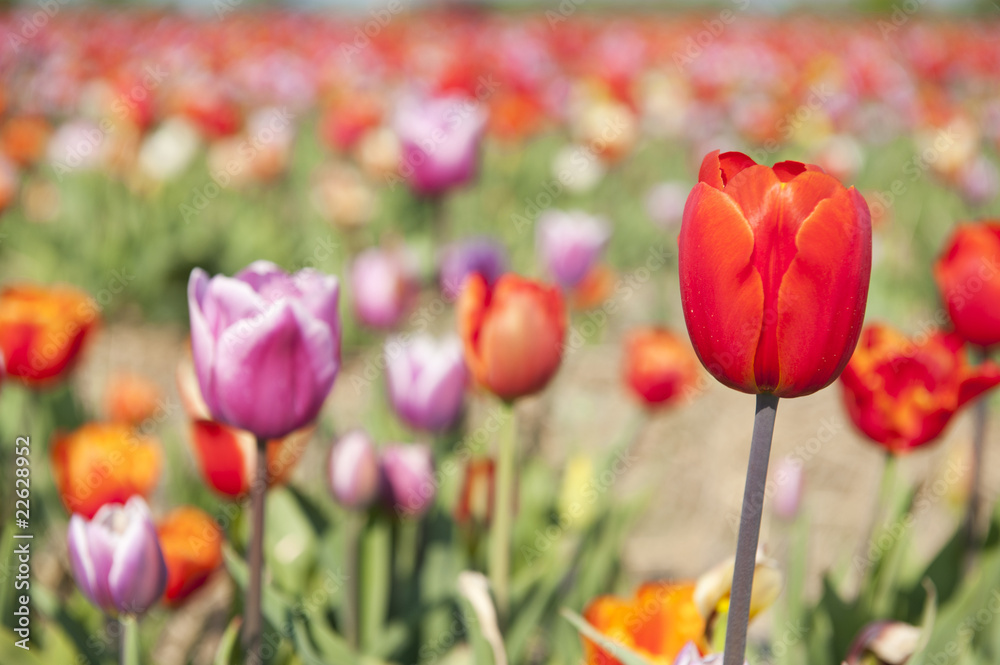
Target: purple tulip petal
320 295
277 372
138 575
91 575
229 301
202 339
260 273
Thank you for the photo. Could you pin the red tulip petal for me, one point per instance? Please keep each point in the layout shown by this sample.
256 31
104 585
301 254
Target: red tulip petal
717 170
983 378
220 456
721 291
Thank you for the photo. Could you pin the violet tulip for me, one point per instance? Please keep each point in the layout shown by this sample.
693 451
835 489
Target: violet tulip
116 557
353 470
266 345
426 380
440 140
408 479
483 256
382 288
569 244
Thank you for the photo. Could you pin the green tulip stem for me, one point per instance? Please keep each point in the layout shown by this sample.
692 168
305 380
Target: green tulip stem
746 544
354 526
980 413
503 513
128 631
253 621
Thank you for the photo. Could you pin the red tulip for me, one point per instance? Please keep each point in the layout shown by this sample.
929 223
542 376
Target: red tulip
902 393
192 549
967 277
659 367
513 333
774 268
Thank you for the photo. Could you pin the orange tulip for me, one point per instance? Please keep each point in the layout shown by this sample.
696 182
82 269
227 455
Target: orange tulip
659 367
24 138
132 399
774 267
513 333
594 289
475 499
656 624
42 329
191 542
104 463
968 278
902 393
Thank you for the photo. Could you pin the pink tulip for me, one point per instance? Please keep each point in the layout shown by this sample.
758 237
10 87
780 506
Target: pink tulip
408 479
426 380
569 244
353 470
382 288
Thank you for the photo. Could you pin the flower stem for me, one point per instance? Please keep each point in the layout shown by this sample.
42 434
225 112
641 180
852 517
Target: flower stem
980 414
746 545
503 509
252 612
128 630
352 546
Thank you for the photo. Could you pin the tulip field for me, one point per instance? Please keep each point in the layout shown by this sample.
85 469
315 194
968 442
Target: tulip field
563 335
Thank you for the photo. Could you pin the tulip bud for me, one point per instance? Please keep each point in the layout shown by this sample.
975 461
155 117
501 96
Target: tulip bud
968 279
774 267
116 558
382 288
891 642
353 470
266 346
192 549
408 479
426 380
789 479
513 334
659 368
476 255
475 499
132 399
569 244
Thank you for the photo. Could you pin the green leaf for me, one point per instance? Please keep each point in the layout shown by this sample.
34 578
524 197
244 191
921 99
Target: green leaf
227 645
613 647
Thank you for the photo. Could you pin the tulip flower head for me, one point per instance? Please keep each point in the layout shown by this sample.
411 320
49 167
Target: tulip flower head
266 346
968 279
512 333
382 288
774 268
789 479
660 369
116 558
408 479
570 243
426 380
476 255
902 393
353 470
191 542
132 398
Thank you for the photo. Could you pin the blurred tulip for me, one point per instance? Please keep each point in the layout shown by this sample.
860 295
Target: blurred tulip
440 140
131 398
266 346
42 330
890 642
10 179
690 655
103 463
168 150
481 255
426 380
343 125
513 334
475 498
408 479
576 506
968 279
789 479
23 139
569 244
594 289
656 624
608 128
577 168
711 593
979 181
660 369
192 549
343 197
353 470
77 145
116 558
902 393
774 269
665 204
383 288
379 153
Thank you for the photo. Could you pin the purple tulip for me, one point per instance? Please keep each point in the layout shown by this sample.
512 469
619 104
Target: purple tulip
475 255
426 380
689 656
440 140
789 480
408 479
266 345
116 557
569 244
353 471
382 288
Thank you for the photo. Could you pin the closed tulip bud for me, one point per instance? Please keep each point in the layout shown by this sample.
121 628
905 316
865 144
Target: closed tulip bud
968 278
440 141
116 558
789 479
890 642
476 255
192 549
774 268
43 329
902 393
426 380
104 463
408 479
570 243
382 288
513 334
266 346
353 470
659 368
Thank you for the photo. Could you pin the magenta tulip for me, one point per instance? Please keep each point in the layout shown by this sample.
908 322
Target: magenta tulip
408 479
426 380
382 288
353 470
116 557
569 244
483 256
266 346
